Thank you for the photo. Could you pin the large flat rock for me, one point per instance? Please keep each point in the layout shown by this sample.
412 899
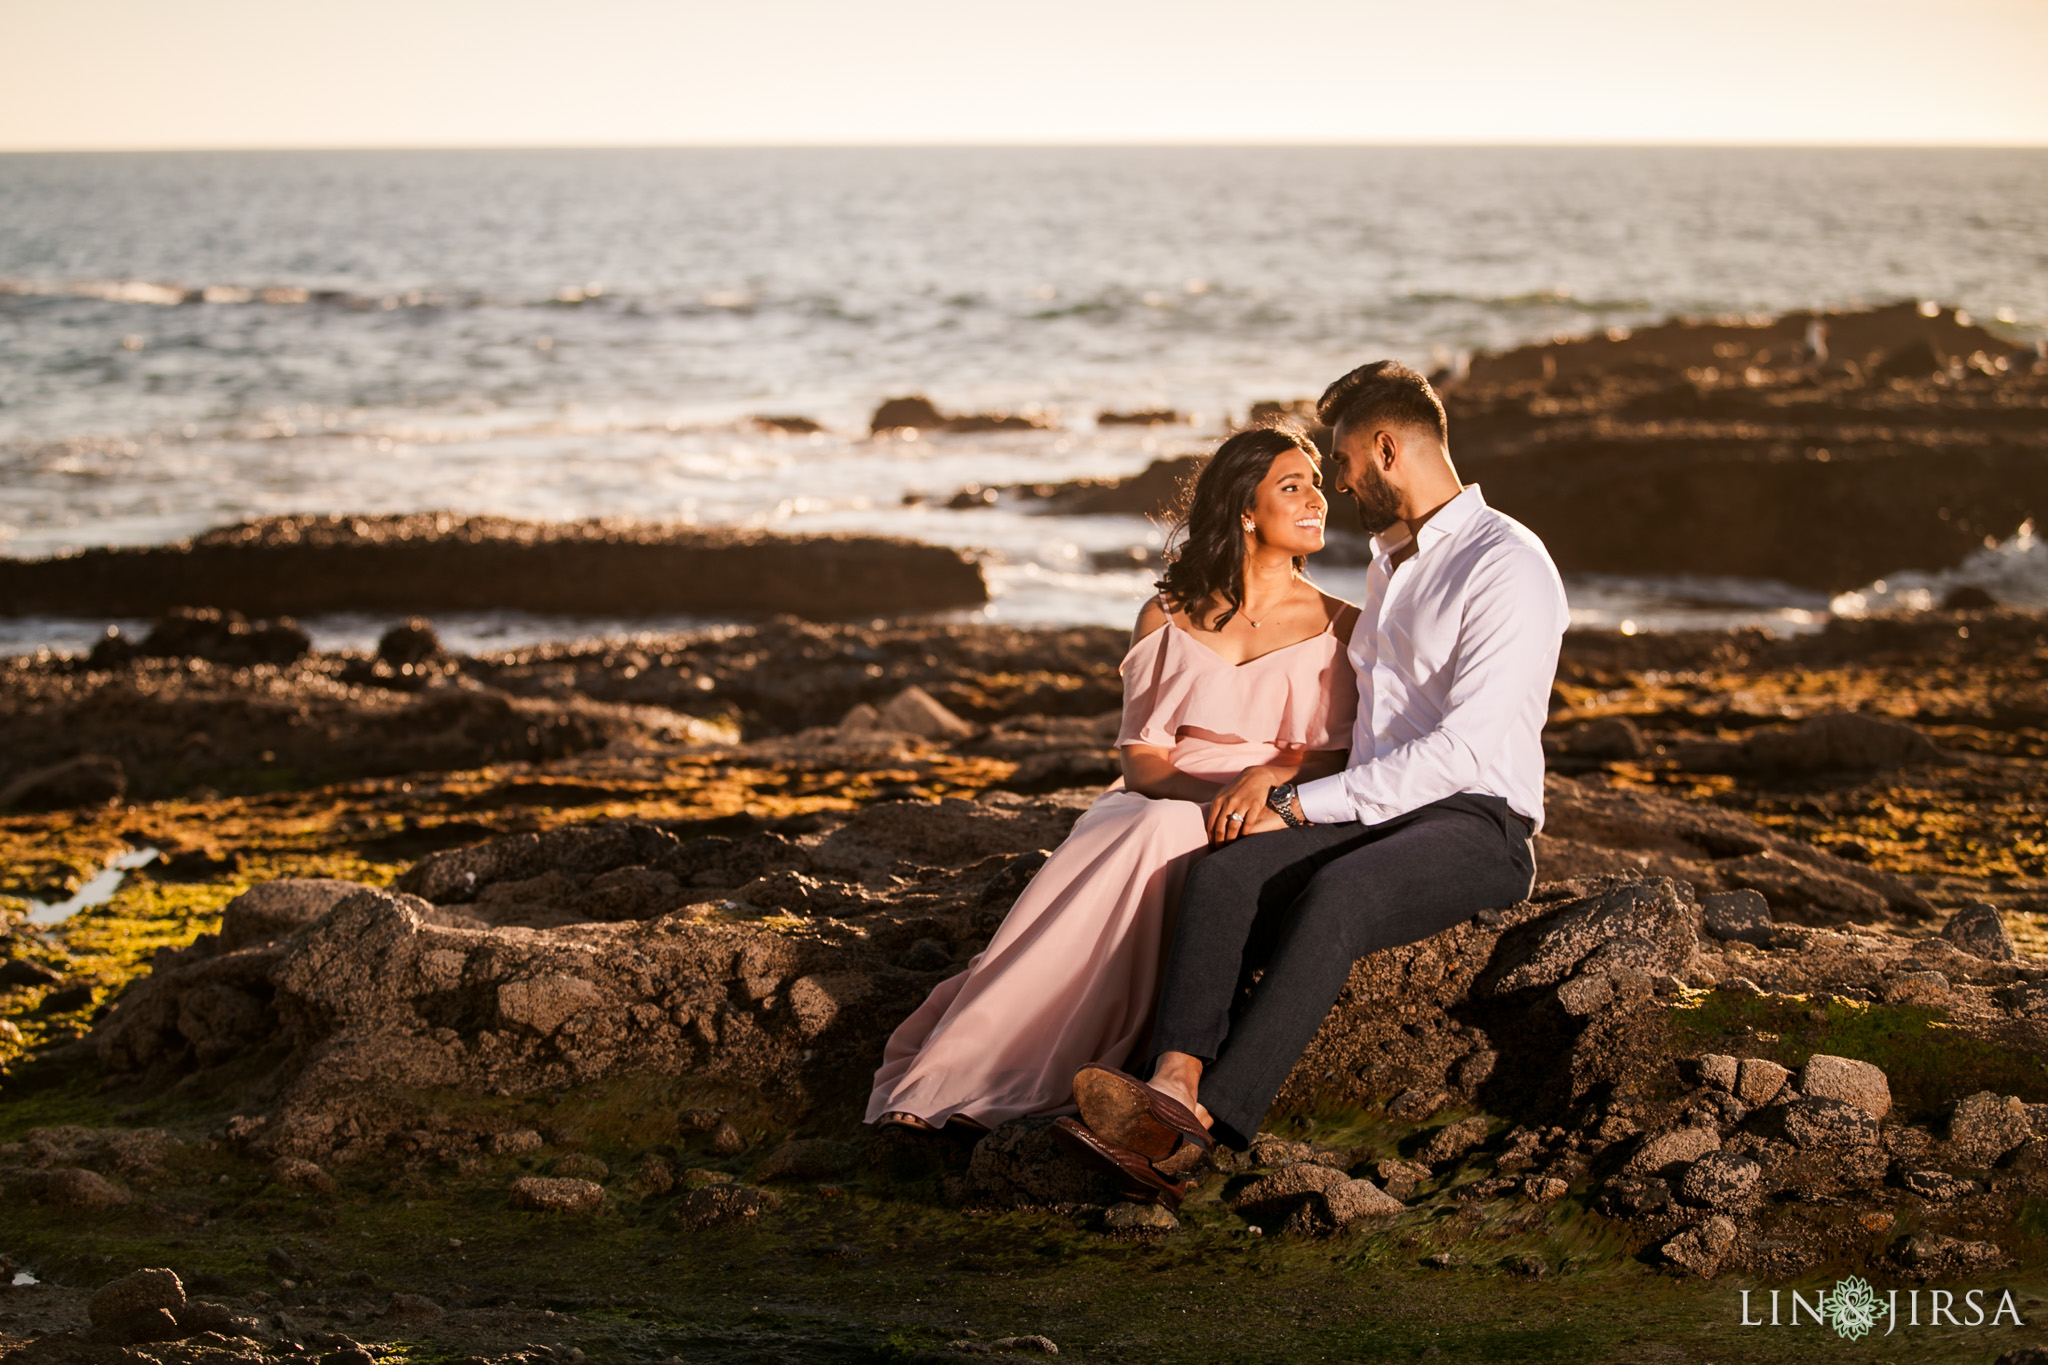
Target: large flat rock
1721 447
437 562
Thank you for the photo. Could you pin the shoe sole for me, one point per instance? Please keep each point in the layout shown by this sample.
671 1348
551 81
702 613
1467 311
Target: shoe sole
1124 1110
1140 1183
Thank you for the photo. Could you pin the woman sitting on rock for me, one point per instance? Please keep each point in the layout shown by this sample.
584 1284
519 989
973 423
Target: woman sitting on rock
1218 710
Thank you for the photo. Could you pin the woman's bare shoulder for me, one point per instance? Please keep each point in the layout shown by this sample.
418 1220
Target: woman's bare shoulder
1151 617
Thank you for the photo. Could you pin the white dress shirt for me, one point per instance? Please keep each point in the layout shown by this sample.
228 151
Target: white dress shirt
1456 650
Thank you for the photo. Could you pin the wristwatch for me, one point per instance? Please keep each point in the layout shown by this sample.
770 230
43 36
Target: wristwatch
1281 801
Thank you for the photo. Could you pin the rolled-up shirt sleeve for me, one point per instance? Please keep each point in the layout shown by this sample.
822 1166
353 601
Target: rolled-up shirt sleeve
1506 659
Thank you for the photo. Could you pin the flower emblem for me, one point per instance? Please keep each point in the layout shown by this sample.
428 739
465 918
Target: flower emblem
1852 1308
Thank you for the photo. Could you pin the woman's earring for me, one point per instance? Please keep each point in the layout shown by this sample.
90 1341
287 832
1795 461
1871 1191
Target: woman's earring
1250 525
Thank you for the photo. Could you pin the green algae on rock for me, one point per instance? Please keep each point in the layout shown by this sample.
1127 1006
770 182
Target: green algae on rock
806 876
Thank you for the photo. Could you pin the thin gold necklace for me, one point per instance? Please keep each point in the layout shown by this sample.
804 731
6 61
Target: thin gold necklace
1248 616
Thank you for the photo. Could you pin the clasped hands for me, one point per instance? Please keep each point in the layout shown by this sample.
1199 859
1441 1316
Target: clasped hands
1241 809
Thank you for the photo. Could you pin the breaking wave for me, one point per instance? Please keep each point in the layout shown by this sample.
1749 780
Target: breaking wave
2014 572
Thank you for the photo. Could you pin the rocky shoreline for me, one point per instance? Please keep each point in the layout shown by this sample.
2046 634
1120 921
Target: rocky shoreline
440 562
211 702
1774 1011
1824 450
1894 440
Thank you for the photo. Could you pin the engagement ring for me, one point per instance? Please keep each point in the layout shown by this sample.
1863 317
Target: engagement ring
1234 815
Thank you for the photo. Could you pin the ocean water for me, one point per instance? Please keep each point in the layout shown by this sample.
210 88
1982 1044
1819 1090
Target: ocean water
190 339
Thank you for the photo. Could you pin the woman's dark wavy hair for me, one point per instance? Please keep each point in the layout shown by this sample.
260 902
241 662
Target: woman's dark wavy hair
1209 524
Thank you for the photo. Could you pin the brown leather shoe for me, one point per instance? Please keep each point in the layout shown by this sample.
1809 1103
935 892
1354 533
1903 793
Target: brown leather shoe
1125 1111
1141 1184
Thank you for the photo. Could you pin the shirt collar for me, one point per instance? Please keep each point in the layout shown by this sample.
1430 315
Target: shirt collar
1451 518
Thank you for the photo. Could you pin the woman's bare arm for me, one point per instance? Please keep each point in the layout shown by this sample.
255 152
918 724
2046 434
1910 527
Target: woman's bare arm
1148 772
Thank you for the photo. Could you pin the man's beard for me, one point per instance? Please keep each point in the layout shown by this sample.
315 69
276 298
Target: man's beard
1378 505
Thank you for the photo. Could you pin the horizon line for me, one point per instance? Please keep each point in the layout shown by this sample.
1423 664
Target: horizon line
1588 144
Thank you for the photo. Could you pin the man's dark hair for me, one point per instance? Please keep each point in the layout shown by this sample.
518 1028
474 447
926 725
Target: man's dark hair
1384 391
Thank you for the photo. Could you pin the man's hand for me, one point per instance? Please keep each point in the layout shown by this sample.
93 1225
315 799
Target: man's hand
1244 798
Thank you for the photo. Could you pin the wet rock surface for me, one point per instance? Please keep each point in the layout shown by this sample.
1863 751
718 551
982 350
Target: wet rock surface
79 733
556 1194
1977 929
1719 1002
1154 491
143 1306
222 637
86 780
918 413
1719 1180
1724 448
588 952
438 562
774 963
1701 1249
1847 1080
721 1205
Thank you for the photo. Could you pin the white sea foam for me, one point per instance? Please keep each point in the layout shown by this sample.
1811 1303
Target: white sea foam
410 331
2013 571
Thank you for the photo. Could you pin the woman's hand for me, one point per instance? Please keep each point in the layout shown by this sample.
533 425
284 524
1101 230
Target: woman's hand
1242 800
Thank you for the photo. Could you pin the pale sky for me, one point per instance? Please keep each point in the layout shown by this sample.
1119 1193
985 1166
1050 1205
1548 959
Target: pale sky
104 74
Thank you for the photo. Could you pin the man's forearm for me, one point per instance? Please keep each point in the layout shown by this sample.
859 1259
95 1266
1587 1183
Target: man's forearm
1437 765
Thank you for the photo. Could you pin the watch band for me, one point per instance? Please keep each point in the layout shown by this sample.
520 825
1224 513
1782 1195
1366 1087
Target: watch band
1280 801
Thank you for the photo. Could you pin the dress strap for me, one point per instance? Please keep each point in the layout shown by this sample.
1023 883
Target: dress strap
1159 654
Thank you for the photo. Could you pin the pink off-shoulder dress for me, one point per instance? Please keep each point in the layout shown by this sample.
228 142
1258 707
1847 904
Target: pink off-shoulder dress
1071 976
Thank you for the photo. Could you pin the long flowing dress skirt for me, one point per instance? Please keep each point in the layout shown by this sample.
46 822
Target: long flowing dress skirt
1072 976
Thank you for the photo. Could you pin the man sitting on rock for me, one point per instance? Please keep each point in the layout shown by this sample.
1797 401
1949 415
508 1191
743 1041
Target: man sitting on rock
1456 647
